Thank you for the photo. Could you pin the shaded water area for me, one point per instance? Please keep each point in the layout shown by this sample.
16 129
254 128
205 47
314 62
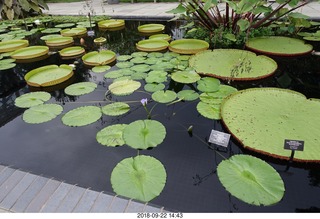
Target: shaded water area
73 155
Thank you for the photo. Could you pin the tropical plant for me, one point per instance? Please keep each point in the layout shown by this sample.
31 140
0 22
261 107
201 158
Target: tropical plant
15 9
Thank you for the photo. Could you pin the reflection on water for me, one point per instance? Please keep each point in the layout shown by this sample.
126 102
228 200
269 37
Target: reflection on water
73 154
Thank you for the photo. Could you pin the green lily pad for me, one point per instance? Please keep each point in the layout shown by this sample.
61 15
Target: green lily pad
74 32
210 111
95 58
233 64
143 134
139 76
156 77
123 58
124 64
152 45
224 91
208 84
12 45
65 25
41 113
162 96
185 77
151 28
251 180
124 87
115 109
139 54
155 55
122 78
138 60
188 46
5 65
80 88
153 87
141 178
165 37
50 36
188 95
278 45
262 118
100 69
114 74
111 136
32 99
51 30
141 68
82 116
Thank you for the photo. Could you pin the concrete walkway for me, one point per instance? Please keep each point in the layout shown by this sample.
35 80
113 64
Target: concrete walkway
148 10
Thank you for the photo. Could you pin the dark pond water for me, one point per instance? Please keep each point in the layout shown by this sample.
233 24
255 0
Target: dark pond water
74 156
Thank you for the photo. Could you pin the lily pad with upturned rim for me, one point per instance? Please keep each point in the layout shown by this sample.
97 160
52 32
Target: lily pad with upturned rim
143 134
80 88
71 52
162 96
152 45
142 178
32 99
111 24
124 87
115 109
82 116
251 180
279 46
41 113
59 41
74 32
151 28
95 58
262 118
12 45
188 46
30 52
111 136
165 37
46 37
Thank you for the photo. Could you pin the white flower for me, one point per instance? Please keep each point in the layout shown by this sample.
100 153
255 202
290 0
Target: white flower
37 22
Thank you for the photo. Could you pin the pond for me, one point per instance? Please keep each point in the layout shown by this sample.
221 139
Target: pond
72 154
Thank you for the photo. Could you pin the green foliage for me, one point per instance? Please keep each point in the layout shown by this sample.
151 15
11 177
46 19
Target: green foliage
21 8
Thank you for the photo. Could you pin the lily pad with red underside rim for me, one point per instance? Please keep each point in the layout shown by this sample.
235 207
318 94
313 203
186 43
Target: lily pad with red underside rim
144 134
82 116
279 46
141 178
233 64
96 58
262 118
12 45
41 113
48 75
251 180
111 136
188 46
152 45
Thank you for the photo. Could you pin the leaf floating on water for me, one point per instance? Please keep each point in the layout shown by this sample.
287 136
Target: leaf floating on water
41 113
80 88
111 135
115 109
32 99
82 116
162 96
124 87
188 95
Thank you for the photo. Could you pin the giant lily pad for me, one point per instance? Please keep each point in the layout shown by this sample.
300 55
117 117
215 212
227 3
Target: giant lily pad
262 118
59 41
111 24
29 53
111 136
12 45
152 45
82 116
251 180
151 28
160 36
48 75
143 134
124 87
72 52
162 96
80 88
115 109
279 46
188 46
99 58
74 32
185 77
42 113
51 30
32 99
142 178
233 64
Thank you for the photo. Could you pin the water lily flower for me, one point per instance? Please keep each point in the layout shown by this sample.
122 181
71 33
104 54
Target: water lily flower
37 22
144 101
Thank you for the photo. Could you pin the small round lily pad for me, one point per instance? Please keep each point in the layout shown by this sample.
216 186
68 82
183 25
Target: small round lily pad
209 111
80 88
162 96
115 109
154 87
82 116
188 95
32 99
100 69
41 113
185 77
124 87
111 136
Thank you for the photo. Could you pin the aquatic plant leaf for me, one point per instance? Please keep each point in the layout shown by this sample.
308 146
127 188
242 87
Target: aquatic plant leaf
156 78
115 109
233 64
282 114
6 65
138 60
95 58
152 45
208 84
151 28
64 25
162 96
217 97
80 88
139 54
188 46
124 87
111 136
41 113
142 178
155 55
139 76
51 30
153 87
278 45
32 99
160 37
113 74
101 68
140 68
210 111
188 95
143 134
127 77
251 180
124 64
123 58
185 77
82 116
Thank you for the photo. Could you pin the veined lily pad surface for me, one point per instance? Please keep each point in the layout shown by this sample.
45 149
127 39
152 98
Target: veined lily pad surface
152 45
30 52
48 75
12 45
262 118
99 58
80 88
279 46
42 113
124 87
7 64
251 180
164 96
188 46
111 136
142 178
32 99
115 109
185 77
233 64
82 116
71 52
188 95
143 134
